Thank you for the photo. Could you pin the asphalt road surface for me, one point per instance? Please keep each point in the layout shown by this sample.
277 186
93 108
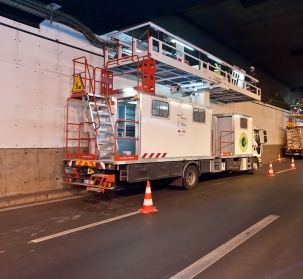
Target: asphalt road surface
229 226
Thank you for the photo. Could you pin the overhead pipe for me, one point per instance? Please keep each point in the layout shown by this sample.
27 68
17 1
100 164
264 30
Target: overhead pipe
41 10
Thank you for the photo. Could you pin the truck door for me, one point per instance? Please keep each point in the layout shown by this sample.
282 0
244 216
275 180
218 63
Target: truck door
127 128
257 143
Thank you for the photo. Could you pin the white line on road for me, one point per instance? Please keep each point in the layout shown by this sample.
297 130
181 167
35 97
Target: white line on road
283 171
83 227
221 251
40 203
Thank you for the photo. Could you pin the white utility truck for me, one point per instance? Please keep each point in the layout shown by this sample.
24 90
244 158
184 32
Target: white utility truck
134 133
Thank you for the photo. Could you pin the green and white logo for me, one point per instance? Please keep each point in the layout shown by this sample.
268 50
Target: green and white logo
243 142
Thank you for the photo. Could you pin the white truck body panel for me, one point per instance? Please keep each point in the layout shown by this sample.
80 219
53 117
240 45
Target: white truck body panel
178 135
231 138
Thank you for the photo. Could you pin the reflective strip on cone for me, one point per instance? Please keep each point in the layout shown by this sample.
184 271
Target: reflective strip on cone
292 166
270 170
148 201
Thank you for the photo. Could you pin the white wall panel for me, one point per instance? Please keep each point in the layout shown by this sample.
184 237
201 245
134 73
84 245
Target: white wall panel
8 46
28 28
37 53
34 92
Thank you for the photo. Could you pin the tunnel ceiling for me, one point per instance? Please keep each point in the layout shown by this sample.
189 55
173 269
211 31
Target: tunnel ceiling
269 33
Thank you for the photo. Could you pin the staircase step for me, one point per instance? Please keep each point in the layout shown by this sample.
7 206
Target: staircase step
92 189
105 141
98 104
97 96
108 155
104 123
105 132
101 113
96 189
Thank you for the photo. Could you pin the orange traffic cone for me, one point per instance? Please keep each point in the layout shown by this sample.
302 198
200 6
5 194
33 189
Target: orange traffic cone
279 159
148 201
292 165
270 170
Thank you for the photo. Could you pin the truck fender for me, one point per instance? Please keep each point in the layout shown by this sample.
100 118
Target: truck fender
184 166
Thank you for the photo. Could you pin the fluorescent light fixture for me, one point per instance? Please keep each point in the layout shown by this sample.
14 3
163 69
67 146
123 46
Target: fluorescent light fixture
132 102
175 41
215 59
128 90
128 51
193 84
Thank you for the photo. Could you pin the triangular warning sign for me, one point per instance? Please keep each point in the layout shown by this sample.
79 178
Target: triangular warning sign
78 85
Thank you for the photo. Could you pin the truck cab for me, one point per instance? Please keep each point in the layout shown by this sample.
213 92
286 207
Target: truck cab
258 145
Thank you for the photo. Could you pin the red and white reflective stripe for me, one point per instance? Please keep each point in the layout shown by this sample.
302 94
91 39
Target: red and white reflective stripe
148 197
255 146
154 155
101 166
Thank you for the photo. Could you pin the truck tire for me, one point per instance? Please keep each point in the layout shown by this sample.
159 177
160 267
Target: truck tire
255 166
190 179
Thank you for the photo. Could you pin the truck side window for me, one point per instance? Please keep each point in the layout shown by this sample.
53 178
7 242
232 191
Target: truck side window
199 115
243 123
257 136
160 109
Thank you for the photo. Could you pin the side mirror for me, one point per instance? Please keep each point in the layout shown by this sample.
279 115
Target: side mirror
265 136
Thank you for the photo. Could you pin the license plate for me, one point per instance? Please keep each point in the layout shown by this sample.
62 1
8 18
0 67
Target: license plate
69 170
86 181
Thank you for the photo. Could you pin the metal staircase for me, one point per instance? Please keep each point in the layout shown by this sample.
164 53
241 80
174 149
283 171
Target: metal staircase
97 110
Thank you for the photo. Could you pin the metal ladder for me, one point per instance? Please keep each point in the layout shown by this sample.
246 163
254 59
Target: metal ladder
100 182
97 110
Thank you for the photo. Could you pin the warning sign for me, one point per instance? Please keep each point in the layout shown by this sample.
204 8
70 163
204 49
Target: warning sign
181 124
78 85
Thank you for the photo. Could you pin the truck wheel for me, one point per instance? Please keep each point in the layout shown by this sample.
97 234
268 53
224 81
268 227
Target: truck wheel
254 166
190 179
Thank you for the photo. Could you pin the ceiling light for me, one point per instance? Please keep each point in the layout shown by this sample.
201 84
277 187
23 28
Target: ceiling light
128 51
175 41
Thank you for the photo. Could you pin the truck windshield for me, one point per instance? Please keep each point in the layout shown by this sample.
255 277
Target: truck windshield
257 136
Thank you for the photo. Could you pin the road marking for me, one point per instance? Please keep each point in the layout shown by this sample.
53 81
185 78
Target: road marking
283 171
39 203
83 227
221 251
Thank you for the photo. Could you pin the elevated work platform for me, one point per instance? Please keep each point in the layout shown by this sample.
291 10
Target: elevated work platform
296 111
180 65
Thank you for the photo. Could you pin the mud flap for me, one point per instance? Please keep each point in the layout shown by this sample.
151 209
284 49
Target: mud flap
176 181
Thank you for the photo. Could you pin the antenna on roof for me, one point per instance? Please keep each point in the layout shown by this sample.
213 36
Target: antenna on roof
53 7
